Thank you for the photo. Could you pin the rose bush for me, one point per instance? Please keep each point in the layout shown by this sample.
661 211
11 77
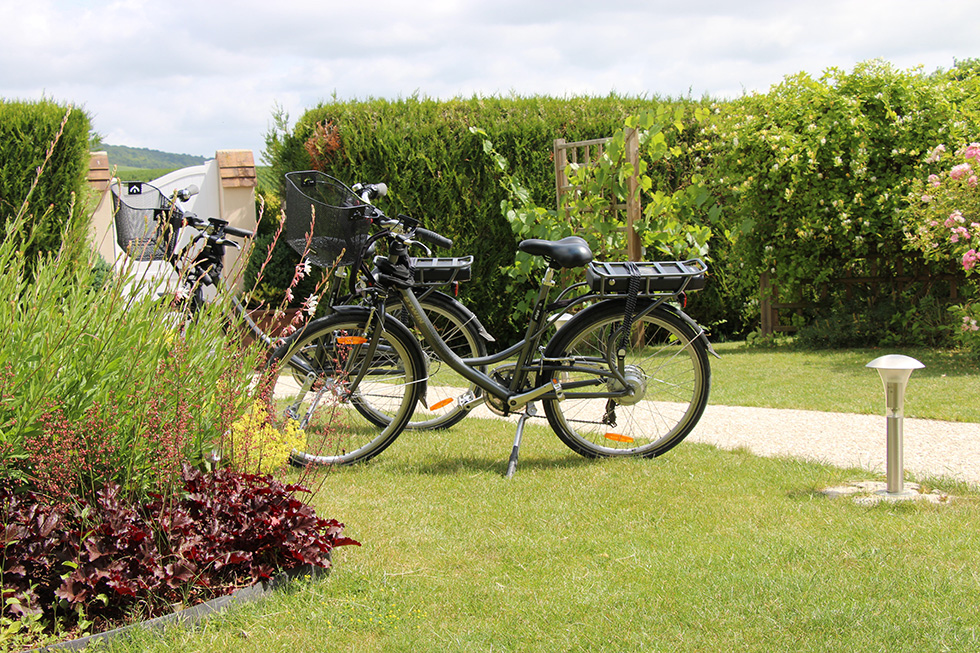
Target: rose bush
943 224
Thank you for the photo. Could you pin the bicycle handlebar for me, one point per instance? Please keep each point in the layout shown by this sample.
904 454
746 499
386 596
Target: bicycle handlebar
433 238
369 192
187 193
217 224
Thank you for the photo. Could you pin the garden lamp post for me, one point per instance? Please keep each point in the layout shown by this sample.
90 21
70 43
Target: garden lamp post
895 371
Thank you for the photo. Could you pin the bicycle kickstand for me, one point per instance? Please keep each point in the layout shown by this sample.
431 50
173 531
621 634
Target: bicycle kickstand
529 411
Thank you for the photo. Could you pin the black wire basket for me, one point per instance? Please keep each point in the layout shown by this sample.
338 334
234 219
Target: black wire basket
325 221
146 221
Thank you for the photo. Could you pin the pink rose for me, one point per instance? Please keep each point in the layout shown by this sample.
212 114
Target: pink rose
970 259
960 171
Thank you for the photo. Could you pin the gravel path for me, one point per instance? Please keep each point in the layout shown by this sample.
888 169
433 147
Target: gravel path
931 448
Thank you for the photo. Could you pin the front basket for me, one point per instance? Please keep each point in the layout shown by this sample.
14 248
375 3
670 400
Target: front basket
146 221
326 222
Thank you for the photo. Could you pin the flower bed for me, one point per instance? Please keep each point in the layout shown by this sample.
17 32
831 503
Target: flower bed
70 570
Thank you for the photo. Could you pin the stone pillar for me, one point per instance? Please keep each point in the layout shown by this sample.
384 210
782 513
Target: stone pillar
236 193
101 230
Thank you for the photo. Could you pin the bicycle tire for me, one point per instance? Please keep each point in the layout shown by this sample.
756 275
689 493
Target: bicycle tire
335 418
666 365
457 326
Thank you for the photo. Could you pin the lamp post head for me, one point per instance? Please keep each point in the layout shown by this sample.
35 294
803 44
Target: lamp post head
895 370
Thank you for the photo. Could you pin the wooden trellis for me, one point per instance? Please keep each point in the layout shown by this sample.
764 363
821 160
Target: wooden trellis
586 153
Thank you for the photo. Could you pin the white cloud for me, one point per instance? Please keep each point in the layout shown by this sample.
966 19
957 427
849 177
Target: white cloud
199 76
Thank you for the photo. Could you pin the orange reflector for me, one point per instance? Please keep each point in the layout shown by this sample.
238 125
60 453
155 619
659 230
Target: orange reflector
351 340
440 404
617 437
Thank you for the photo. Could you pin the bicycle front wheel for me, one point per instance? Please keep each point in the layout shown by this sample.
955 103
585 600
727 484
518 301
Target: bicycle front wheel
667 377
312 379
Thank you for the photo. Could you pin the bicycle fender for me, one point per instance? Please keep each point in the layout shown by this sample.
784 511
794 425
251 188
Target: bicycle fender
698 329
470 316
642 310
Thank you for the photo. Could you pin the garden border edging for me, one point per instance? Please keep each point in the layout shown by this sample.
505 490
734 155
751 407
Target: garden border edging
197 613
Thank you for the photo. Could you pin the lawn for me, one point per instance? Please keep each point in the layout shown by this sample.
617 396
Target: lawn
947 387
700 550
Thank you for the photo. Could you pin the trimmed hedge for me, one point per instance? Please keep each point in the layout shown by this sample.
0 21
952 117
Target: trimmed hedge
27 130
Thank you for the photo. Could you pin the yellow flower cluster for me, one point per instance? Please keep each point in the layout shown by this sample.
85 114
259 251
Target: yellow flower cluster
255 444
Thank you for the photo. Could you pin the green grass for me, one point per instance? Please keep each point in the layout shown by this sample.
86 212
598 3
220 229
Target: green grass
701 550
126 173
947 387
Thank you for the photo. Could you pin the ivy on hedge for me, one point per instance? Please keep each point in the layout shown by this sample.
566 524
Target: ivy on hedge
814 174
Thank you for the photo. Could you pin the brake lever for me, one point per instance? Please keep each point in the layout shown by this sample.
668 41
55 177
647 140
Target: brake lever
224 242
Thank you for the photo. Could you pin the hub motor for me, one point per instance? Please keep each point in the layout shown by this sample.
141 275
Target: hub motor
636 383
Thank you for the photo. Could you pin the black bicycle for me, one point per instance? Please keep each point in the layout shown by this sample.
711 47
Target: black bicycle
627 375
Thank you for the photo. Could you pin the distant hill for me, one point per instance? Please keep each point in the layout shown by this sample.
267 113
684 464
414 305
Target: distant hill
141 157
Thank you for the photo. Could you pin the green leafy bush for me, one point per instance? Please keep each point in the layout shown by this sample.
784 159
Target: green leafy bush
813 175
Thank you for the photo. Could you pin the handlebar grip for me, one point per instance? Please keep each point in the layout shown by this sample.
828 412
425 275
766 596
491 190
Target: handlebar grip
368 192
240 233
433 238
187 193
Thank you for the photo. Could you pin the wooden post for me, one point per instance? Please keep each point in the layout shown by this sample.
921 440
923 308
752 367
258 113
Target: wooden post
561 162
634 249
765 305
99 174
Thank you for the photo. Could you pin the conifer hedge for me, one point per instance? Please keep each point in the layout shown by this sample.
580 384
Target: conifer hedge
27 130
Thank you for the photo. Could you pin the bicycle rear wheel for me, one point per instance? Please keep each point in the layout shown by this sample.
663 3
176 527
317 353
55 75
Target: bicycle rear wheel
311 379
666 369
457 326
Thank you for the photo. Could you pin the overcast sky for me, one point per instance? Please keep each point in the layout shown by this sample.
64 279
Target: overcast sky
196 76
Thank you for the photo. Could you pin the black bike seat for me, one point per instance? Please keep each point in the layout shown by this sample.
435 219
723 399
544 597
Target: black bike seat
570 252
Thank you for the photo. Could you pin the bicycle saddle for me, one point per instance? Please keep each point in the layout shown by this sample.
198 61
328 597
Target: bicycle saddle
570 252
